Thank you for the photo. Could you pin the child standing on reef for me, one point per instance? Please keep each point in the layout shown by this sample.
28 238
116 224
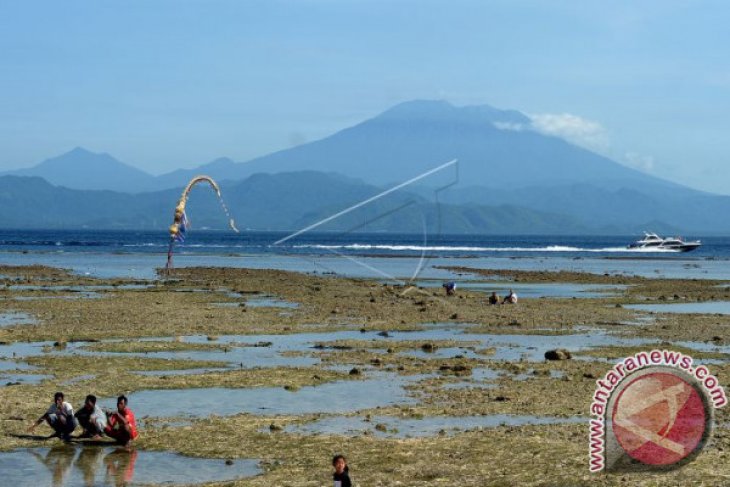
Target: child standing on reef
341 476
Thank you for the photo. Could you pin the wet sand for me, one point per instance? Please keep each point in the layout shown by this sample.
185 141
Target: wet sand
441 372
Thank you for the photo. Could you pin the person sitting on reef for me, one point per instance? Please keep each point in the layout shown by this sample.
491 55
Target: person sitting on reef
122 425
342 472
511 298
60 417
91 418
450 288
494 298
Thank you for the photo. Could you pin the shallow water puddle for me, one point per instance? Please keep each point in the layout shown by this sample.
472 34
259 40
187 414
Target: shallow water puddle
80 295
77 288
705 307
70 466
270 302
393 427
507 347
517 347
246 351
334 397
19 350
20 379
536 290
9 365
12 318
14 373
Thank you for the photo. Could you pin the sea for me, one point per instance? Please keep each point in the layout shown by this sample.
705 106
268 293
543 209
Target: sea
387 257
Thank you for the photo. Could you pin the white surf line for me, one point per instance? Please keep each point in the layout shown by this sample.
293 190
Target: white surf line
365 202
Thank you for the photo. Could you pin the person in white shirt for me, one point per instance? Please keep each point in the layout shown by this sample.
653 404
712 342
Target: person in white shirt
511 298
91 418
60 417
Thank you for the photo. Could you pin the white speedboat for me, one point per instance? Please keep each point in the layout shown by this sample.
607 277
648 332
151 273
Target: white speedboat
654 241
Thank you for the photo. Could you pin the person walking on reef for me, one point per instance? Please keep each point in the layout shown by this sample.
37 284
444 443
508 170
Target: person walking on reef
60 417
450 288
122 425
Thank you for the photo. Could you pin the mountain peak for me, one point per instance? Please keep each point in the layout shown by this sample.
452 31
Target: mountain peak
443 111
81 155
80 168
78 150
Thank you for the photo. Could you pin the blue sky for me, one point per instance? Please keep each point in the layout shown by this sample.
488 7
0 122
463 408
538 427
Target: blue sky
176 83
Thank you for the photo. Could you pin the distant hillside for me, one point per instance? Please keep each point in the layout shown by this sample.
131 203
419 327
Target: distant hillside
621 207
81 169
287 201
221 169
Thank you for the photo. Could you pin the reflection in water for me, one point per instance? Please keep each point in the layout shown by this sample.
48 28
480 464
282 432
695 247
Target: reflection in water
91 466
88 463
58 461
120 466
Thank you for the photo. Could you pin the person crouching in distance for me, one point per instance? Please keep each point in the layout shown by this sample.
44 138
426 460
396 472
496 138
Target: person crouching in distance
122 425
511 298
91 418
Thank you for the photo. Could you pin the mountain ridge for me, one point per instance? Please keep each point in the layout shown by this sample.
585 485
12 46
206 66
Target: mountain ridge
269 202
502 162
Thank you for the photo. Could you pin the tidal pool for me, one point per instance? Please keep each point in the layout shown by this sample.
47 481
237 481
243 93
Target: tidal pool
14 373
705 307
71 466
246 351
535 290
514 347
75 289
12 318
270 302
18 379
333 397
394 427
80 295
9 365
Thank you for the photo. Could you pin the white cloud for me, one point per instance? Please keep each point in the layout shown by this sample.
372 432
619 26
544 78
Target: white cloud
638 161
580 131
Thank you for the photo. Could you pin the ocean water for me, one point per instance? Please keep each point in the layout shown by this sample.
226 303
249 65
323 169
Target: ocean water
401 258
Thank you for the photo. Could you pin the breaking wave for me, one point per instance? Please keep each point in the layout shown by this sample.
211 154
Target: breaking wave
445 248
